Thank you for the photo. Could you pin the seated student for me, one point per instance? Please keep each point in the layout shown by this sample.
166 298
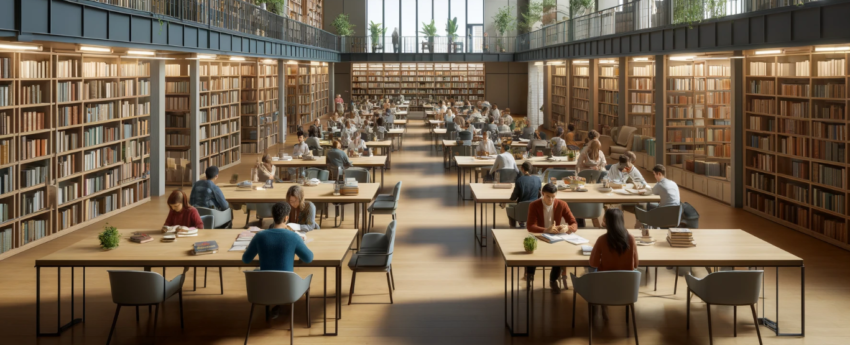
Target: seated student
666 188
357 145
570 138
476 117
303 212
380 128
491 126
389 118
334 122
313 141
318 129
496 114
336 158
448 117
278 246
301 147
486 145
347 132
527 188
539 134
591 159
548 214
265 170
205 193
507 119
355 117
180 213
592 135
624 172
466 134
558 144
504 160
503 126
616 250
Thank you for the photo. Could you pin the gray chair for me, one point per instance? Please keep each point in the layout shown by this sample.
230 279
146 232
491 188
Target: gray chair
557 173
384 204
726 288
609 288
320 174
208 221
662 217
271 288
508 175
375 255
141 288
362 175
519 211
221 219
593 176
587 210
263 210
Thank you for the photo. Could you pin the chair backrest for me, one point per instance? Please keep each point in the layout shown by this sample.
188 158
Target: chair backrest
661 217
464 135
208 221
362 175
275 287
478 125
521 211
557 173
136 287
397 192
317 173
591 176
507 175
318 152
608 287
464 150
728 287
583 210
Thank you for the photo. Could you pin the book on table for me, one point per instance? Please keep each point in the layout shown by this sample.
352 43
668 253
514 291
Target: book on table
555 238
141 238
680 237
205 247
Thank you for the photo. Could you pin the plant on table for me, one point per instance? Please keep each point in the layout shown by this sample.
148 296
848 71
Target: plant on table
529 243
109 238
376 32
429 31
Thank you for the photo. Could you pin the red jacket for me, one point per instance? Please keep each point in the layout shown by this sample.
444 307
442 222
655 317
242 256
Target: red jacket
536 222
187 217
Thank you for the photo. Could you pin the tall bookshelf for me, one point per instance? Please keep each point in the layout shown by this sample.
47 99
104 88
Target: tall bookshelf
558 99
796 140
580 94
319 85
259 109
698 124
312 14
640 107
419 81
295 10
74 142
291 84
304 92
608 93
219 114
177 133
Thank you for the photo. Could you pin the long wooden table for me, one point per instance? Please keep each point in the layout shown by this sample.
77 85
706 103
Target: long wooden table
449 144
372 162
715 248
385 146
485 193
466 163
329 248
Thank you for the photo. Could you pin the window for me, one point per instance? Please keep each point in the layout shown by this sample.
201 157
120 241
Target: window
441 15
459 12
374 14
475 12
424 17
391 19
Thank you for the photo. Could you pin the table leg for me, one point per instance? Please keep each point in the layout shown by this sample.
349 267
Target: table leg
774 325
59 327
475 220
511 324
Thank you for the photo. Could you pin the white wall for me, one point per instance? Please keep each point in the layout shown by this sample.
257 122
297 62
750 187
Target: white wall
603 4
535 94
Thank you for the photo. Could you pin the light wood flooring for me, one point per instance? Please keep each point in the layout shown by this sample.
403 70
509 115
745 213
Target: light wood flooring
449 291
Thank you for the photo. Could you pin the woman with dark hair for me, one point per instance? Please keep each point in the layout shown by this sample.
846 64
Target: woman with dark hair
265 170
303 212
181 213
615 250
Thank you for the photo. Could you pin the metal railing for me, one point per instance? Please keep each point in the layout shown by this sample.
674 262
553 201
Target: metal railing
419 45
641 15
235 15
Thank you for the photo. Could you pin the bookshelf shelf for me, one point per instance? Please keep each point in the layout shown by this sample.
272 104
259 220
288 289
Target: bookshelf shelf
558 99
177 121
259 106
219 120
419 82
580 91
608 94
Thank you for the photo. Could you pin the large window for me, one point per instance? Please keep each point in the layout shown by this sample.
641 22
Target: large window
410 15
391 22
441 15
374 14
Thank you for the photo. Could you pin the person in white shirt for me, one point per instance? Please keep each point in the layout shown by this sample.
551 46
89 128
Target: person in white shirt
357 144
667 189
503 126
503 161
298 150
476 117
558 143
591 136
449 117
496 113
486 145
625 172
591 159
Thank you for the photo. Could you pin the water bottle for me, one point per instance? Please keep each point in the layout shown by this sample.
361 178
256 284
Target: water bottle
497 177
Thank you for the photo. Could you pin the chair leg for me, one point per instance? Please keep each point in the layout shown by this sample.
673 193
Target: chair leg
250 318
634 323
115 320
627 321
180 297
756 321
292 324
676 283
708 310
351 290
248 219
590 323
574 309
221 279
155 318
390 287
734 320
392 278
309 322
688 311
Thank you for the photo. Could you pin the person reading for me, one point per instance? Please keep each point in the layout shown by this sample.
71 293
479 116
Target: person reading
180 213
303 212
624 171
486 146
550 215
205 193
591 159
526 188
616 249
265 170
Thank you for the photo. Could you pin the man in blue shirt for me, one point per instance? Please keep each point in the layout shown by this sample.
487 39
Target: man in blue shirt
205 193
527 188
278 246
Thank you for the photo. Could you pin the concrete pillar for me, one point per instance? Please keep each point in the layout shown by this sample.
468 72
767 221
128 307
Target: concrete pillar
535 94
192 121
660 62
737 178
281 103
157 129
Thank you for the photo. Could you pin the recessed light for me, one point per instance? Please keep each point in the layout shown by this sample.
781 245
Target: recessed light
146 57
641 59
19 47
581 61
607 61
141 52
237 58
95 49
682 58
831 49
768 52
555 63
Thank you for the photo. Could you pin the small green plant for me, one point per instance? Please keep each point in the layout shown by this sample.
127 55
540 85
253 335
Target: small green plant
109 238
451 29
504 20
581 7
429 30
692 12
376 32
532 15
571 155
275 6
343 26
529 243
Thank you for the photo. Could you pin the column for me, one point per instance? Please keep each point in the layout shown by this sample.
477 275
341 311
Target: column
157 129
192 121
659 108
737 178
535 94
281 103
622 94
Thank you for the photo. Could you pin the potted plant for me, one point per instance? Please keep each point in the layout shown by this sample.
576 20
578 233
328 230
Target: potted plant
343 28
529 243
550 15
376 32
504 20
532 15
430 31
109 238
451 31
571 155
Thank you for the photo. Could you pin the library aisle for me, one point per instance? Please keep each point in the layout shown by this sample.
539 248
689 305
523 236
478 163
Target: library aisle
449 290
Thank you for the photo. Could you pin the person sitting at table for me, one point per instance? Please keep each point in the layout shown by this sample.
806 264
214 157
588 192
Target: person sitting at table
357 145
303 212
389 119
336 159
666 188
485 146
448 117
265 170
539 134
334 123
625 171
205 193
467 133
317 125
570 138
507 120
503 126
496 113
180 213
526 188
347 132
591 159
503 161
491 126
558 144
313 141
476 117
615 250
550 215
301 148
466 106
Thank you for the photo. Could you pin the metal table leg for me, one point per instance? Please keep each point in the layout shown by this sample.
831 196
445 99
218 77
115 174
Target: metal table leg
774 325
59 326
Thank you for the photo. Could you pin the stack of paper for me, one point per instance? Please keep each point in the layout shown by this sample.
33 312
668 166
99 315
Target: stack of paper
187 232
242 241
570 238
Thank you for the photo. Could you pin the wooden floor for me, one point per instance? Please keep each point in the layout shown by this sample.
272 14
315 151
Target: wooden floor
449 291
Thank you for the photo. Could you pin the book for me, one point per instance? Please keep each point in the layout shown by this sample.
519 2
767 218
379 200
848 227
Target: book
205 253
205 246
169 238
141 238
680 237
586 250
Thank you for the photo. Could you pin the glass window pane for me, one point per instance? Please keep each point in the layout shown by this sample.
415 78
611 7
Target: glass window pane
424 15
475 12
392 21
441 14
459 12
375 14
408 27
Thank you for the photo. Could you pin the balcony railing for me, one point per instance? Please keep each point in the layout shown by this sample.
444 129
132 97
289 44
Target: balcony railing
419 45
640 15
235 15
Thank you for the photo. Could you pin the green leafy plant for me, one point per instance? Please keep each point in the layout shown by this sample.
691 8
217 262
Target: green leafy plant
533 14
376 32
275 6
529 243
504 20
548 5
109 238
581 7
429 30
694 12
451 28
343 26
571 155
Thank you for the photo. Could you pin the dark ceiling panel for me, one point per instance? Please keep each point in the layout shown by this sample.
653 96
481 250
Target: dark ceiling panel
756 30
34 16
140 30
835 22
94 25
779 27
811 29
119 27
707 38
66 19
724 33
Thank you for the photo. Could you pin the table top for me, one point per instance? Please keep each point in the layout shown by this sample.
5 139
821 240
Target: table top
329 248
436 122
402 122
396 131
382 143
453 143
321 161
724 247
321 193
469 161
484 192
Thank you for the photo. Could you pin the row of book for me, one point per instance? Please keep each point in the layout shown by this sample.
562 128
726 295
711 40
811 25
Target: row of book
102 181
33 175
609 71
830 227
32 230
101 157
97 207
828 150
31 94
829 90
793 146
831 68
761 87
34 69
174 70
761 202
6 242
68 191
793 167
761 181
793 191
828 200
100 134
32 202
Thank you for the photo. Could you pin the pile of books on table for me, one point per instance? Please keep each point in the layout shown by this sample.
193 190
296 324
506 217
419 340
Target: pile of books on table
204 248
242 241
679 237
139 237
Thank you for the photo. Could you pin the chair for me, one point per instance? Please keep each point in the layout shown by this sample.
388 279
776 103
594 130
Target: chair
592 176
508 175
264 210
221 219
726 288
270 288
609 288
362 175
384 204
557 173
661 217
465 150
519 211
619 142
320 174
375 255
587 210
208 221
140 288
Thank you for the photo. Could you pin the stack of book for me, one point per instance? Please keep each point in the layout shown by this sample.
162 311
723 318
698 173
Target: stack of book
350 188
678 237
187 232
141 238
204 248
242 241
168 238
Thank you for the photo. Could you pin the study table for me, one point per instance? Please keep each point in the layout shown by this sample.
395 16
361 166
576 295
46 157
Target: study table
465 163
715 248
372 162
384 145
396 133
486 193
449 144
329 248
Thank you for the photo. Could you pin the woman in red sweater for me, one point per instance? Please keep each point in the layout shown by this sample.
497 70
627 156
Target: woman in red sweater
181 213
615 250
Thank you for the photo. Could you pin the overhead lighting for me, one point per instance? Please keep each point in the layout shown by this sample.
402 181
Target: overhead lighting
713 58
769 52
314 63
237 58
581 62
682 58
555 63
640 59
20 47
538 63
141 52
202 57
831 49
736 57
269 61
292 62
146 57
95 49
607 61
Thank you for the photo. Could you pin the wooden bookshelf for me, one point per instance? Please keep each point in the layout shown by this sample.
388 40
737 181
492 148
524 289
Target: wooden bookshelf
259 111
558 96
580 94
607 89
419 82
698 124
640 107
177 121
296 10
795 139
313 10
74 142
219 120
319 85
304 93
291 72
